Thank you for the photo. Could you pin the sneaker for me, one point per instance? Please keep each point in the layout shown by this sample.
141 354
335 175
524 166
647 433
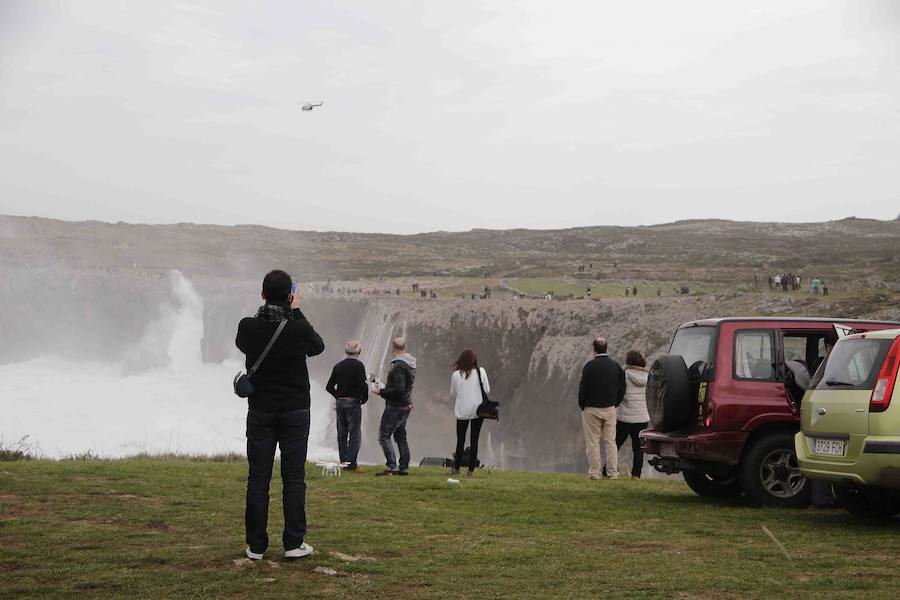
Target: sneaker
304 550
402 473
453 472
635 478
356 470
595 477
385 472
253 555
470 473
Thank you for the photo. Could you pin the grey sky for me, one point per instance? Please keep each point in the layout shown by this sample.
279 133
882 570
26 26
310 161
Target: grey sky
449 115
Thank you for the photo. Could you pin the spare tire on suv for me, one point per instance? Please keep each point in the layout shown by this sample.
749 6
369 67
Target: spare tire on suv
669 393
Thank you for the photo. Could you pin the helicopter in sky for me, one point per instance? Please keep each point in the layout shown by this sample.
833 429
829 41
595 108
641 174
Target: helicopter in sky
310 106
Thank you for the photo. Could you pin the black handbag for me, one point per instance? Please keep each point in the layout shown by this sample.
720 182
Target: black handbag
243 387
488 408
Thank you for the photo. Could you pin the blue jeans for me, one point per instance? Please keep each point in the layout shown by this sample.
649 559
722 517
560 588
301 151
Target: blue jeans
349 418
290 431
393 423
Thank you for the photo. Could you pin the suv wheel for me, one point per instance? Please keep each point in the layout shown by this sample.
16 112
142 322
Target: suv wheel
770 474
713 486
871 502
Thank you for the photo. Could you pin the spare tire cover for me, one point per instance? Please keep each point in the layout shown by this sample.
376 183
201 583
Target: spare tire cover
669 393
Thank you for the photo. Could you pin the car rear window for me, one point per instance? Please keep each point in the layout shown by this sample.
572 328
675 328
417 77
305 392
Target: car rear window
852 365
693 344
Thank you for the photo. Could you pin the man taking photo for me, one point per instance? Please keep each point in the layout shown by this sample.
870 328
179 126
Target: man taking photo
278 412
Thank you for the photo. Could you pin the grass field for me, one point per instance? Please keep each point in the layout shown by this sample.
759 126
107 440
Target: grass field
152 528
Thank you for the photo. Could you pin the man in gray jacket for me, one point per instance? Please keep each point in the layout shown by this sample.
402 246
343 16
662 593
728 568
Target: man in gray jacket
397 394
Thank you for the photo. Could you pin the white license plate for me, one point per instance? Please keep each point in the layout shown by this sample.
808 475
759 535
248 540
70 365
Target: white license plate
668 450
829 447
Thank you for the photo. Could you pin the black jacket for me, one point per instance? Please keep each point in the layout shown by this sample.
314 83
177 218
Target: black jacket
398 388
348 380
602 383
282 382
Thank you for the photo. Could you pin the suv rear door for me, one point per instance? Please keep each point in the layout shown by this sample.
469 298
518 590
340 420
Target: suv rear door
751 390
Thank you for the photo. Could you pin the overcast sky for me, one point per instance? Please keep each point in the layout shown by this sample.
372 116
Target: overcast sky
449 115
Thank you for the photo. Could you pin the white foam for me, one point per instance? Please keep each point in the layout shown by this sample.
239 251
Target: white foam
183 405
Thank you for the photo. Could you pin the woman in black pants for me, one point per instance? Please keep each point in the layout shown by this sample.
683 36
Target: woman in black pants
465 392
632 416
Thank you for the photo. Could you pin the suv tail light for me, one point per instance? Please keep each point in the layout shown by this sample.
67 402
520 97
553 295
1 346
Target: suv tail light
884 385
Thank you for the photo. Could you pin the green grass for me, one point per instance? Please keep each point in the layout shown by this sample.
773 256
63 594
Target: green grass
151 528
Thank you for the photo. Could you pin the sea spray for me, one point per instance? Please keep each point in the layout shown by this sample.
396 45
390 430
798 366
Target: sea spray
161 398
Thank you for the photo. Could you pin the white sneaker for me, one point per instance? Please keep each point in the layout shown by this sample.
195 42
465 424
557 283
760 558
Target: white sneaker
253 555
304 550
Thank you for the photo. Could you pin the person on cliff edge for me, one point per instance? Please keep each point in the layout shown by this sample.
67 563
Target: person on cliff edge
466 383
600 392
278 413
397 394
348 386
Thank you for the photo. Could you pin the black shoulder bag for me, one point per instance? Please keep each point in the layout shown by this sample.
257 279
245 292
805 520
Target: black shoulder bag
242 384
488 408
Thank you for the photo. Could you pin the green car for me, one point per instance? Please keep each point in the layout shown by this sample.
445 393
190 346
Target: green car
850 428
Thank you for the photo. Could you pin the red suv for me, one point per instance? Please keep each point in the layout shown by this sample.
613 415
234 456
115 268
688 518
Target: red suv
724 404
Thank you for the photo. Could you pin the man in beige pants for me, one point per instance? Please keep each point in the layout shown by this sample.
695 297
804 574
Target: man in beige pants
600 391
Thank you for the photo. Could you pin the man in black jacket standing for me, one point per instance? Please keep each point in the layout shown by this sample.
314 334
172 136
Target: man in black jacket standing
278 413
397 394
348 386
601 390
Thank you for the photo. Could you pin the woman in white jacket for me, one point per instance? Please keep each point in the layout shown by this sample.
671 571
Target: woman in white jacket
632 415
465 392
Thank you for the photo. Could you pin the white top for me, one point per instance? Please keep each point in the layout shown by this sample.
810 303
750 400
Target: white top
634 405
466 393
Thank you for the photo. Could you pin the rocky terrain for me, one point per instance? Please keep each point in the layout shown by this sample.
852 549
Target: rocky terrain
89 290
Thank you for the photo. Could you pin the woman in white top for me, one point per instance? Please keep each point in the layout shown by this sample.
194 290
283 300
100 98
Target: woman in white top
631 416
465 392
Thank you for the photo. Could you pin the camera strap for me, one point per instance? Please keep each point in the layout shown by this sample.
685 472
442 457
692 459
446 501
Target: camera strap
271 343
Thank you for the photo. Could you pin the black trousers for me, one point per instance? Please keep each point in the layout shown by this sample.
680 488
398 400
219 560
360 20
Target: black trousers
623 432
461 426
290 432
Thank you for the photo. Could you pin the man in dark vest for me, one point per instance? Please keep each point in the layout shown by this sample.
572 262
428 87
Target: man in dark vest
278 414
600 391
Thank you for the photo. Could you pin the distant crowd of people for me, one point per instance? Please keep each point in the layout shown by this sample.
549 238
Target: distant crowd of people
326 289
276 343
793 282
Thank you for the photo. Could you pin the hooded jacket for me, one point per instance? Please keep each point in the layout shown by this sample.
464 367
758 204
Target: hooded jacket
634 405
400 379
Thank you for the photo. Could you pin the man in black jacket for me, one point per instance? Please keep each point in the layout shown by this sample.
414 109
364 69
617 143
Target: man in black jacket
397 394
601 390
278 413
348 386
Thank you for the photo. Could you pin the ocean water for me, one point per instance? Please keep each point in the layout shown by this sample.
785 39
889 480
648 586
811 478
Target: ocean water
160 398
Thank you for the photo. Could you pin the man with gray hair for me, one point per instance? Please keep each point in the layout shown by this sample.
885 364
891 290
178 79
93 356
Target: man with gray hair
397 394
348 386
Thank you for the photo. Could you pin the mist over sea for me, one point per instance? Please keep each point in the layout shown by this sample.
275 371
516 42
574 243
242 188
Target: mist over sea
160 397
